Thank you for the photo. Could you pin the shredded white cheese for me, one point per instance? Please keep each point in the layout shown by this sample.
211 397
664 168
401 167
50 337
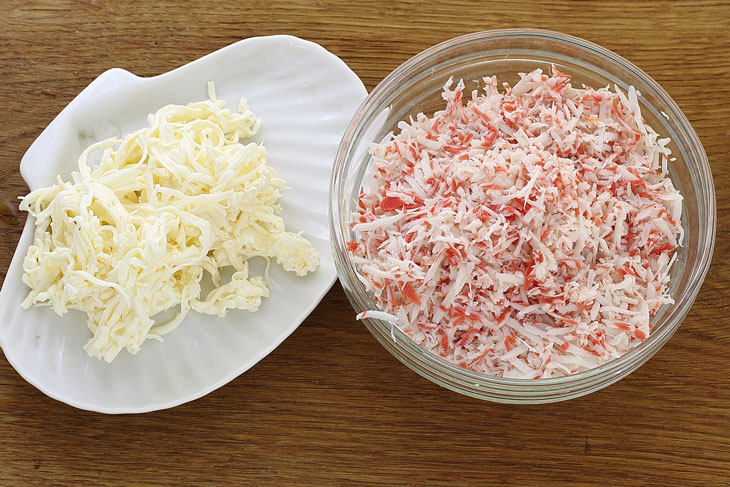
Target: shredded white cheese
526 233
134 235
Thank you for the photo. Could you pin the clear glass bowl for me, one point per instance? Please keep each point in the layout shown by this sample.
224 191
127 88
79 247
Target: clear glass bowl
416 86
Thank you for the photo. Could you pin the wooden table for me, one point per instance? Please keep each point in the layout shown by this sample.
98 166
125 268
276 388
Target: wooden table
330 406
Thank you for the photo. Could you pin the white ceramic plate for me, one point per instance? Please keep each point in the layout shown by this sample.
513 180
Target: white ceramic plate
305 97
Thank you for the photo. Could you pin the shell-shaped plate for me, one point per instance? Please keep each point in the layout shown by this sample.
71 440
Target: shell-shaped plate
305 97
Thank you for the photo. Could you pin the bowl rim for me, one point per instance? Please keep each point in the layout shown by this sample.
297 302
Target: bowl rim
703 182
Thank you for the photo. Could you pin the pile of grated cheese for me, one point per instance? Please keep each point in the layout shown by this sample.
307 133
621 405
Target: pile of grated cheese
134 235
524 233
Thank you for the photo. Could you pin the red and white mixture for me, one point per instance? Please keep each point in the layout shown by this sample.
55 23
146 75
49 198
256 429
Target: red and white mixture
521 234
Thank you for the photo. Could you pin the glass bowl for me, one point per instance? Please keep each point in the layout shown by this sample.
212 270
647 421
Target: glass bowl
416 86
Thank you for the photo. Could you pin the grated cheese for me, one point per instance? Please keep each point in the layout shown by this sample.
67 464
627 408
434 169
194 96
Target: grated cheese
524 233
134 235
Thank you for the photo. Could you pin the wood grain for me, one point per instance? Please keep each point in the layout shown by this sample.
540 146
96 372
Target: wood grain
330 406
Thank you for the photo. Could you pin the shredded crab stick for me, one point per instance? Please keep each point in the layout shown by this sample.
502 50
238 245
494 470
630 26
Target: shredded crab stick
525 233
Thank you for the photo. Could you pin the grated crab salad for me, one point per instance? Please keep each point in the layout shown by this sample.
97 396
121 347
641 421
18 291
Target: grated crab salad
524 233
